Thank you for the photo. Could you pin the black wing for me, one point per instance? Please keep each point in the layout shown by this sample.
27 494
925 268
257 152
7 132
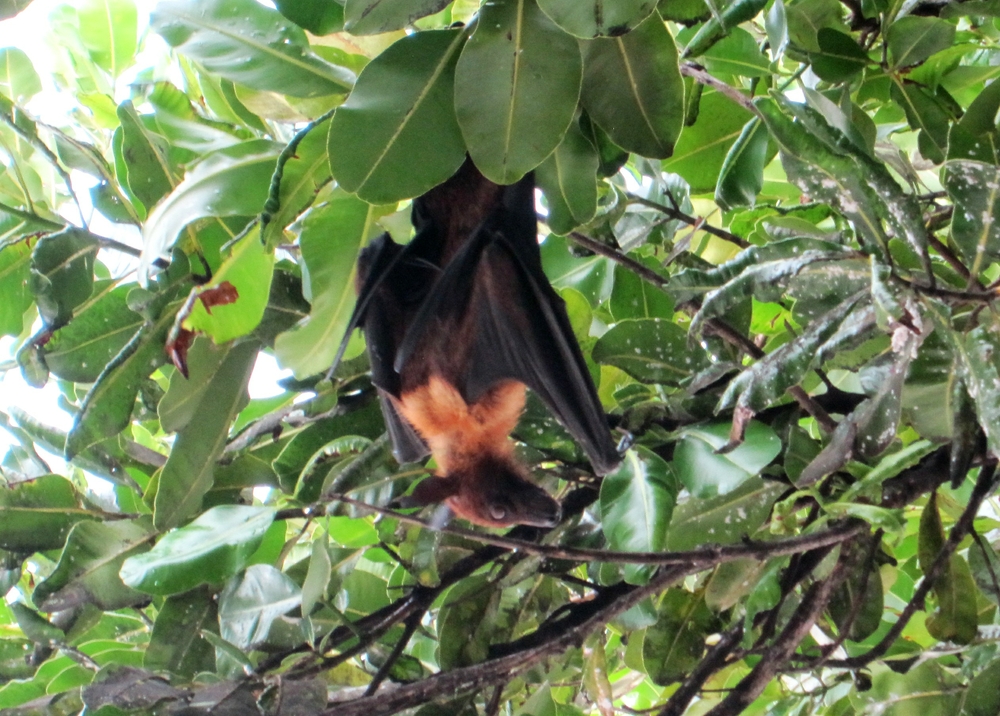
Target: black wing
508 323
392 281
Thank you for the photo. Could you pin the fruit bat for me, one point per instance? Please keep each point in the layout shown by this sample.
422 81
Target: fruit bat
457 323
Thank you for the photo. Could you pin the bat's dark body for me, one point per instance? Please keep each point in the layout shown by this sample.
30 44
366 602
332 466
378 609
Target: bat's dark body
457 322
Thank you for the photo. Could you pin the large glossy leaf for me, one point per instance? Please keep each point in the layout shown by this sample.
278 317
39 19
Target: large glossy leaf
592 276
567 178
87 572
109 30
708 473
248 43
742 175
248 269
15 272
632 88
37 514
211 549
397 136
723 519
767 380
187 476
516 88
108 406
62 274
927 112
974 187
702 148
724 17
369 17
637 501
176 644
594 18
18 79
80 350
737 54
252 601
652 350
145 164
633 297
331 236
839 57
230 182
184 393
912 39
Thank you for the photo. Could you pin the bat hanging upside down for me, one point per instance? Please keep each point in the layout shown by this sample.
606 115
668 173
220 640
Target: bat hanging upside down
458 322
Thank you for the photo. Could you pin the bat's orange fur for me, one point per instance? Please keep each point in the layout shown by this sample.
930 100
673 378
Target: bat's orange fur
477 474
458 434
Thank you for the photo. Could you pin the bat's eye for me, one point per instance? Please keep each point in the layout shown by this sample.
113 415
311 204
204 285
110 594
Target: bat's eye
498 512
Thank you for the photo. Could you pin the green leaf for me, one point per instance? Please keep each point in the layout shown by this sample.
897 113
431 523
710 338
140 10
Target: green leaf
742 175
723 519
465 604
632 297
516 89
109 30
149 174
567 178
980 354
737 54
982 697
912 39
370 17
766 382
62 274
985 565
15 273
708 473
189 470
107 409
928 113
633 89
36 515
248 269
974 187
176 644
652 350
248 43
87 572
703 147
18 80
839 57
229 182
673 646
637 501
594 18
719 24
79 351
209 550
332 234
956 617
252 601
318 18
401 114
36 627
302 178
592 276
180 403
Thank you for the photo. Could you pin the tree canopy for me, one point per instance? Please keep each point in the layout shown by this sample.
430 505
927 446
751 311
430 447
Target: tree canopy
774 225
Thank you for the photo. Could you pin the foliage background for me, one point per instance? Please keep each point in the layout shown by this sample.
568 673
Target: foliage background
774 226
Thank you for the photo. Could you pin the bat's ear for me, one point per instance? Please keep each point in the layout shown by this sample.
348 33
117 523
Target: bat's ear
434 490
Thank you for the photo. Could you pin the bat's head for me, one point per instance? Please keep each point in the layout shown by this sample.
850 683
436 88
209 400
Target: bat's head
492 492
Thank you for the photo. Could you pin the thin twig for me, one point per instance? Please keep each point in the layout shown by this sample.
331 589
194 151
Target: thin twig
677 214
699 75
618 257
701 558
